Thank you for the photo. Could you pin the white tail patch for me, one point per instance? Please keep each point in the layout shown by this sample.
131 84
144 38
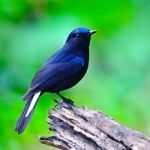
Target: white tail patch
33 102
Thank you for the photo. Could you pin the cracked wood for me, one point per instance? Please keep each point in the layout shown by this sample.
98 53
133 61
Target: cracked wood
79 128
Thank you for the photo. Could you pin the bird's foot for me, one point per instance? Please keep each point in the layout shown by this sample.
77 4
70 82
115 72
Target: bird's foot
57 101
64 104
68 101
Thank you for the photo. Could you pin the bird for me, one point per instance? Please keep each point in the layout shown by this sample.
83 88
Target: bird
64 69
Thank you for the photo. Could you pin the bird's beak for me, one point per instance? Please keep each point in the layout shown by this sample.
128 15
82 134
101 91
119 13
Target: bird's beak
92 32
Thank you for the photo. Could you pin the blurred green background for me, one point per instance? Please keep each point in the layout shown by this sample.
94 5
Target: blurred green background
118 79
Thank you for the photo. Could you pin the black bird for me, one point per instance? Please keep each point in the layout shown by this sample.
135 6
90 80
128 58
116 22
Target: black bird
61 71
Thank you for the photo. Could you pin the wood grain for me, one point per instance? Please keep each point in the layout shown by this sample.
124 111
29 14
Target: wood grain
79 128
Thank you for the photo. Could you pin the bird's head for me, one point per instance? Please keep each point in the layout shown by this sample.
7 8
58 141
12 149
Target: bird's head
80 37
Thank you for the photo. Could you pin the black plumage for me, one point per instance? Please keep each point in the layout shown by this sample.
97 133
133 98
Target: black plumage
61 71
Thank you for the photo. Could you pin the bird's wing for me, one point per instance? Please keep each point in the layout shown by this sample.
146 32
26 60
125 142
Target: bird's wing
50 74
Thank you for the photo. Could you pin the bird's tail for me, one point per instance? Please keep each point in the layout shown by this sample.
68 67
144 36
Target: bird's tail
27 112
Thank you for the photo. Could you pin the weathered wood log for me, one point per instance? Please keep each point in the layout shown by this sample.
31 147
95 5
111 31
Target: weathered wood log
79 128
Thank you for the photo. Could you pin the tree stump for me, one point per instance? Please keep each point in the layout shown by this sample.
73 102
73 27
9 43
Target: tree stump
79 128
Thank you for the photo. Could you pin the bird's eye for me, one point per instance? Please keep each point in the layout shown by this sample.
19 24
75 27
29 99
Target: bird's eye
77 35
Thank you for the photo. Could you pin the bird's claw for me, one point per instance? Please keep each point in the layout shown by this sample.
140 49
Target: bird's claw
68 101
64 104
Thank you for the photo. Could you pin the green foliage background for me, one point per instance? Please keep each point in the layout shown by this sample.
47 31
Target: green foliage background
118 79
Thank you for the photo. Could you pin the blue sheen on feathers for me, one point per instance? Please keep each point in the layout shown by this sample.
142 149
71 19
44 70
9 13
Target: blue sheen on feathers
61 71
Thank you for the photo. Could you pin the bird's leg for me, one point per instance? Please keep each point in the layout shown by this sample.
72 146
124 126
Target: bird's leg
67 100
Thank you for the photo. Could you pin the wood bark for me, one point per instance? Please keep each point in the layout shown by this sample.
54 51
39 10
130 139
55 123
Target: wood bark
79 128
